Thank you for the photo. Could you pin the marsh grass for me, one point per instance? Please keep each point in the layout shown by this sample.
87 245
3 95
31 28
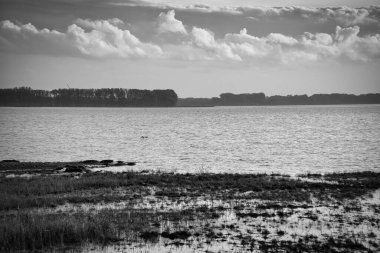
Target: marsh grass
28 229
50 191
31 231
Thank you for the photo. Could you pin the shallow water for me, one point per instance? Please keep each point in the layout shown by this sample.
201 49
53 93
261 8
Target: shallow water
283 139
313 222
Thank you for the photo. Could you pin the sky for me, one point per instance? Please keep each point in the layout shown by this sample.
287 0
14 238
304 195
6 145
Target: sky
198 48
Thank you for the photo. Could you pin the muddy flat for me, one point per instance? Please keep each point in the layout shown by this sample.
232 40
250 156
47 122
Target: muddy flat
110 206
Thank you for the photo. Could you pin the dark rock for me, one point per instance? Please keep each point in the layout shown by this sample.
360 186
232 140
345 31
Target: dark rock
58 168
131 163
150 235
90 161
254 215
176 235
10 161
73 168
120 163
106 162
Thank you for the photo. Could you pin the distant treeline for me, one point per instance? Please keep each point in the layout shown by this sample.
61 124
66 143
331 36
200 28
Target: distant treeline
228 99
25 96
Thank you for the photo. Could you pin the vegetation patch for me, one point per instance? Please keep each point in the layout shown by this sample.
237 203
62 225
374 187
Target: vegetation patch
255 212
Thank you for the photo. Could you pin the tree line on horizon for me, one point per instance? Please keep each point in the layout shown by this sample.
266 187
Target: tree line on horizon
249 99
117 97
107 97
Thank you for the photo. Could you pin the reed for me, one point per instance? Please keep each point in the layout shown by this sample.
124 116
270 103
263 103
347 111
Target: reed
22 228
49 191
33 231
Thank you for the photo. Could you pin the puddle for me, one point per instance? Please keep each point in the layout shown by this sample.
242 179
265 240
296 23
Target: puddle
25 175
114 169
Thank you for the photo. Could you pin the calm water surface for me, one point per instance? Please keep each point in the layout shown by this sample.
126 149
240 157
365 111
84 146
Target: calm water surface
288 139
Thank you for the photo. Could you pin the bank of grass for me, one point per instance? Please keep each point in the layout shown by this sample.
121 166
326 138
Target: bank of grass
50 191
35 231
24 229
32 231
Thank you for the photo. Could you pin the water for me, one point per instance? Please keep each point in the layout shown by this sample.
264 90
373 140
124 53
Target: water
283 139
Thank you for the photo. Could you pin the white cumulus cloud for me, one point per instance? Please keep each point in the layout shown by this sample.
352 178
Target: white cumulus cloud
341 15
168 23
100 39
344 44
205 40
108 39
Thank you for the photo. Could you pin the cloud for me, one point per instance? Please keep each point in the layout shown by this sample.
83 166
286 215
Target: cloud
28 39
107 39
205 40
99 39
340 15
344 16
168 23
344 44
99 24
366 17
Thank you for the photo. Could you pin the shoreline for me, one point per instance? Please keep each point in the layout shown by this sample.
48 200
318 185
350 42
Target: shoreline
141 210
49 167
193 106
